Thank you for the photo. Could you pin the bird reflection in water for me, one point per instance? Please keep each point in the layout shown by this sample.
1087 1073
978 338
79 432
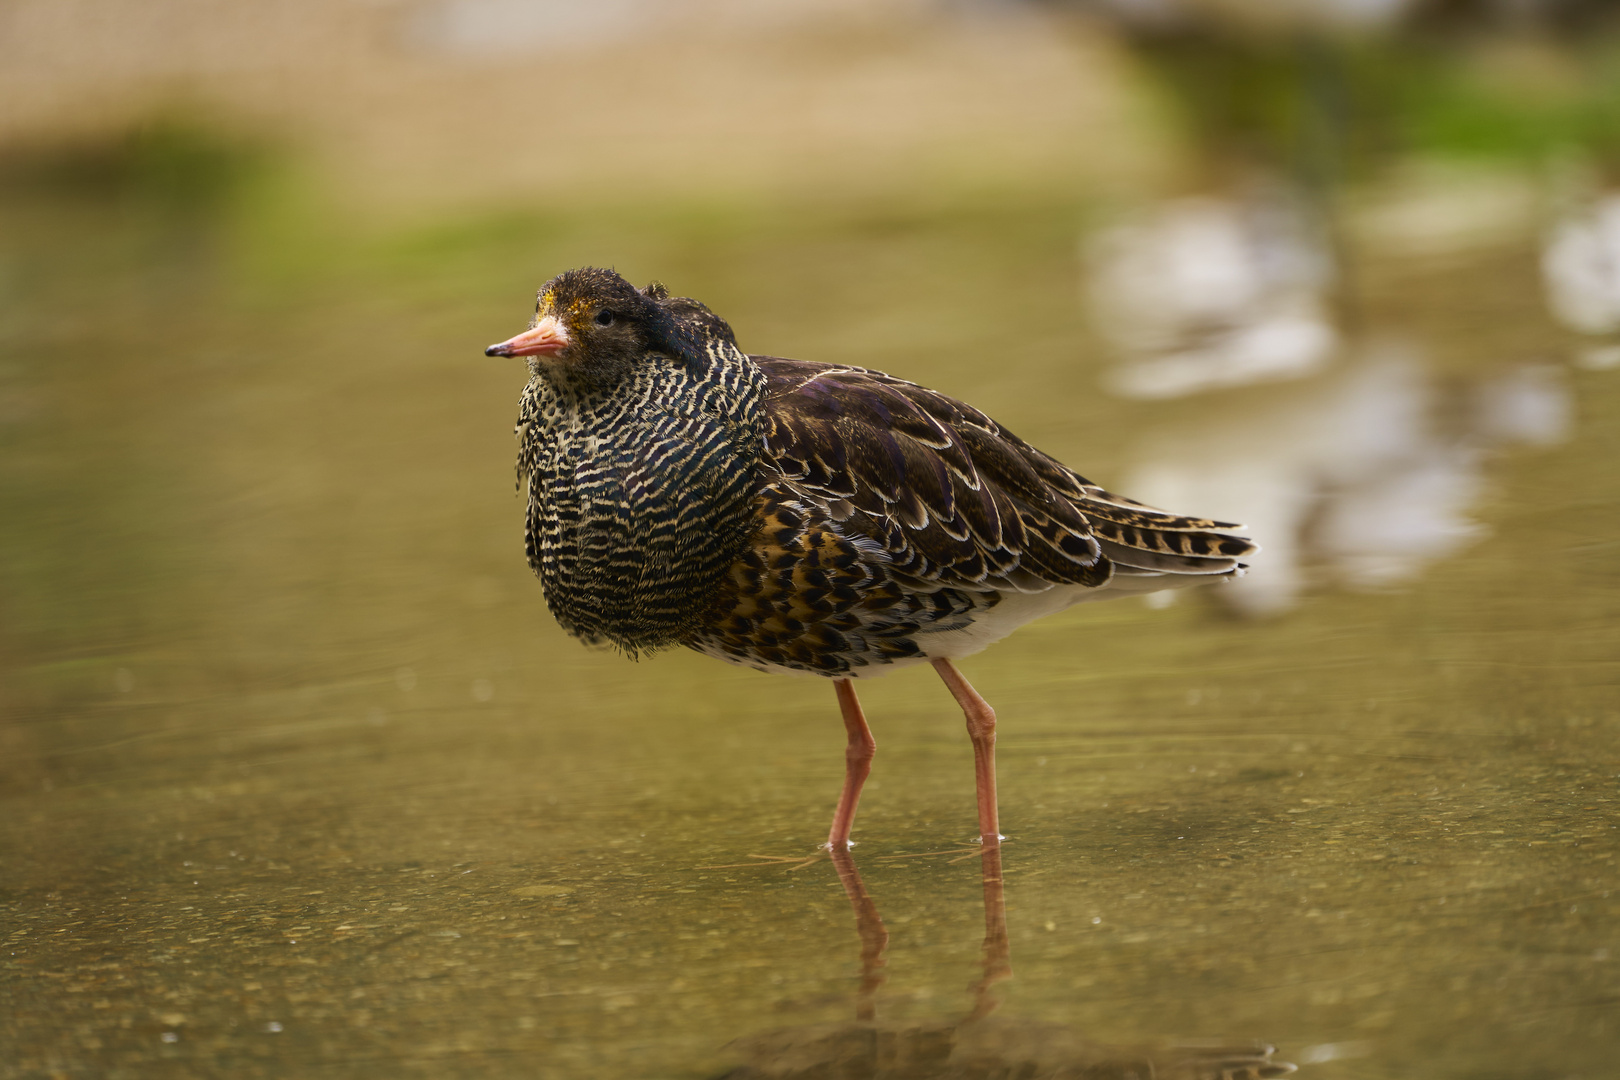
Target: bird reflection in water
976 1045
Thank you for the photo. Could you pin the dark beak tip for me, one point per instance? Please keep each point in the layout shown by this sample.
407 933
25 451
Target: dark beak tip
495 350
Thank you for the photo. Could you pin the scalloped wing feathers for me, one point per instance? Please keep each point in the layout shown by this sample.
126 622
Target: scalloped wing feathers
953 499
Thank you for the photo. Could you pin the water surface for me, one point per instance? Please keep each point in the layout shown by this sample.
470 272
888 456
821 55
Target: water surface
300 779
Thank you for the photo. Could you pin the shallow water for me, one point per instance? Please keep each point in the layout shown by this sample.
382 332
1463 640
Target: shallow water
300 779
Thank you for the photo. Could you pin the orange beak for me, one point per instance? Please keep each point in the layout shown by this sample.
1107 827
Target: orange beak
548 338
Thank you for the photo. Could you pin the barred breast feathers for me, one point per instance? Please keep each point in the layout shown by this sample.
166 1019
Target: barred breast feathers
639 496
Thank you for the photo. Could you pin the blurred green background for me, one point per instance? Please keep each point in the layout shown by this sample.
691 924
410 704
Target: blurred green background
299 778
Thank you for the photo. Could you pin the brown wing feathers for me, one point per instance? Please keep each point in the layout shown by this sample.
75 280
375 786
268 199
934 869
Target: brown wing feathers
955 500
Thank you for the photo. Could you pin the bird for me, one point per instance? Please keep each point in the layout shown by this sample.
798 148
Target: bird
802 517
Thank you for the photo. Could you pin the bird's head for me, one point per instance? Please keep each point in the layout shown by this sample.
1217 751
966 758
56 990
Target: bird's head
592 326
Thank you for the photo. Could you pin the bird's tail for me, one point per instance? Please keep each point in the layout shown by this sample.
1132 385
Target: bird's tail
1143 542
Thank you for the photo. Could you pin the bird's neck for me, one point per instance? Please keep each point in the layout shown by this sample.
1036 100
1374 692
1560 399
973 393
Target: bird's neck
574 386
716 381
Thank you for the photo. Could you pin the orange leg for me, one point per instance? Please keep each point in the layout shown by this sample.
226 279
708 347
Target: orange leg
857 764
981 725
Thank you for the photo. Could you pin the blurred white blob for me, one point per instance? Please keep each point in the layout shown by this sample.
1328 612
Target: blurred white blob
1598 357
493 27
1443 209
1528 405
1207 293
1258 14
1360 478
1325 1052
1580 265
509 26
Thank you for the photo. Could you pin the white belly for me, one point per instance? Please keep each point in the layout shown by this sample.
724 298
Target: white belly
1016 609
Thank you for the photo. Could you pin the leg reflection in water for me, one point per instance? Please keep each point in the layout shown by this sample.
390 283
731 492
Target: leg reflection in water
997 953
977 1046
875 938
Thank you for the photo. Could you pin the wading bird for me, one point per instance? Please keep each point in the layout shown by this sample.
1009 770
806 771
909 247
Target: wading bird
803 517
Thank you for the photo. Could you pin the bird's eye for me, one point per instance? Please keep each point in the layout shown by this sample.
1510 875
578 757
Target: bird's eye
604 318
